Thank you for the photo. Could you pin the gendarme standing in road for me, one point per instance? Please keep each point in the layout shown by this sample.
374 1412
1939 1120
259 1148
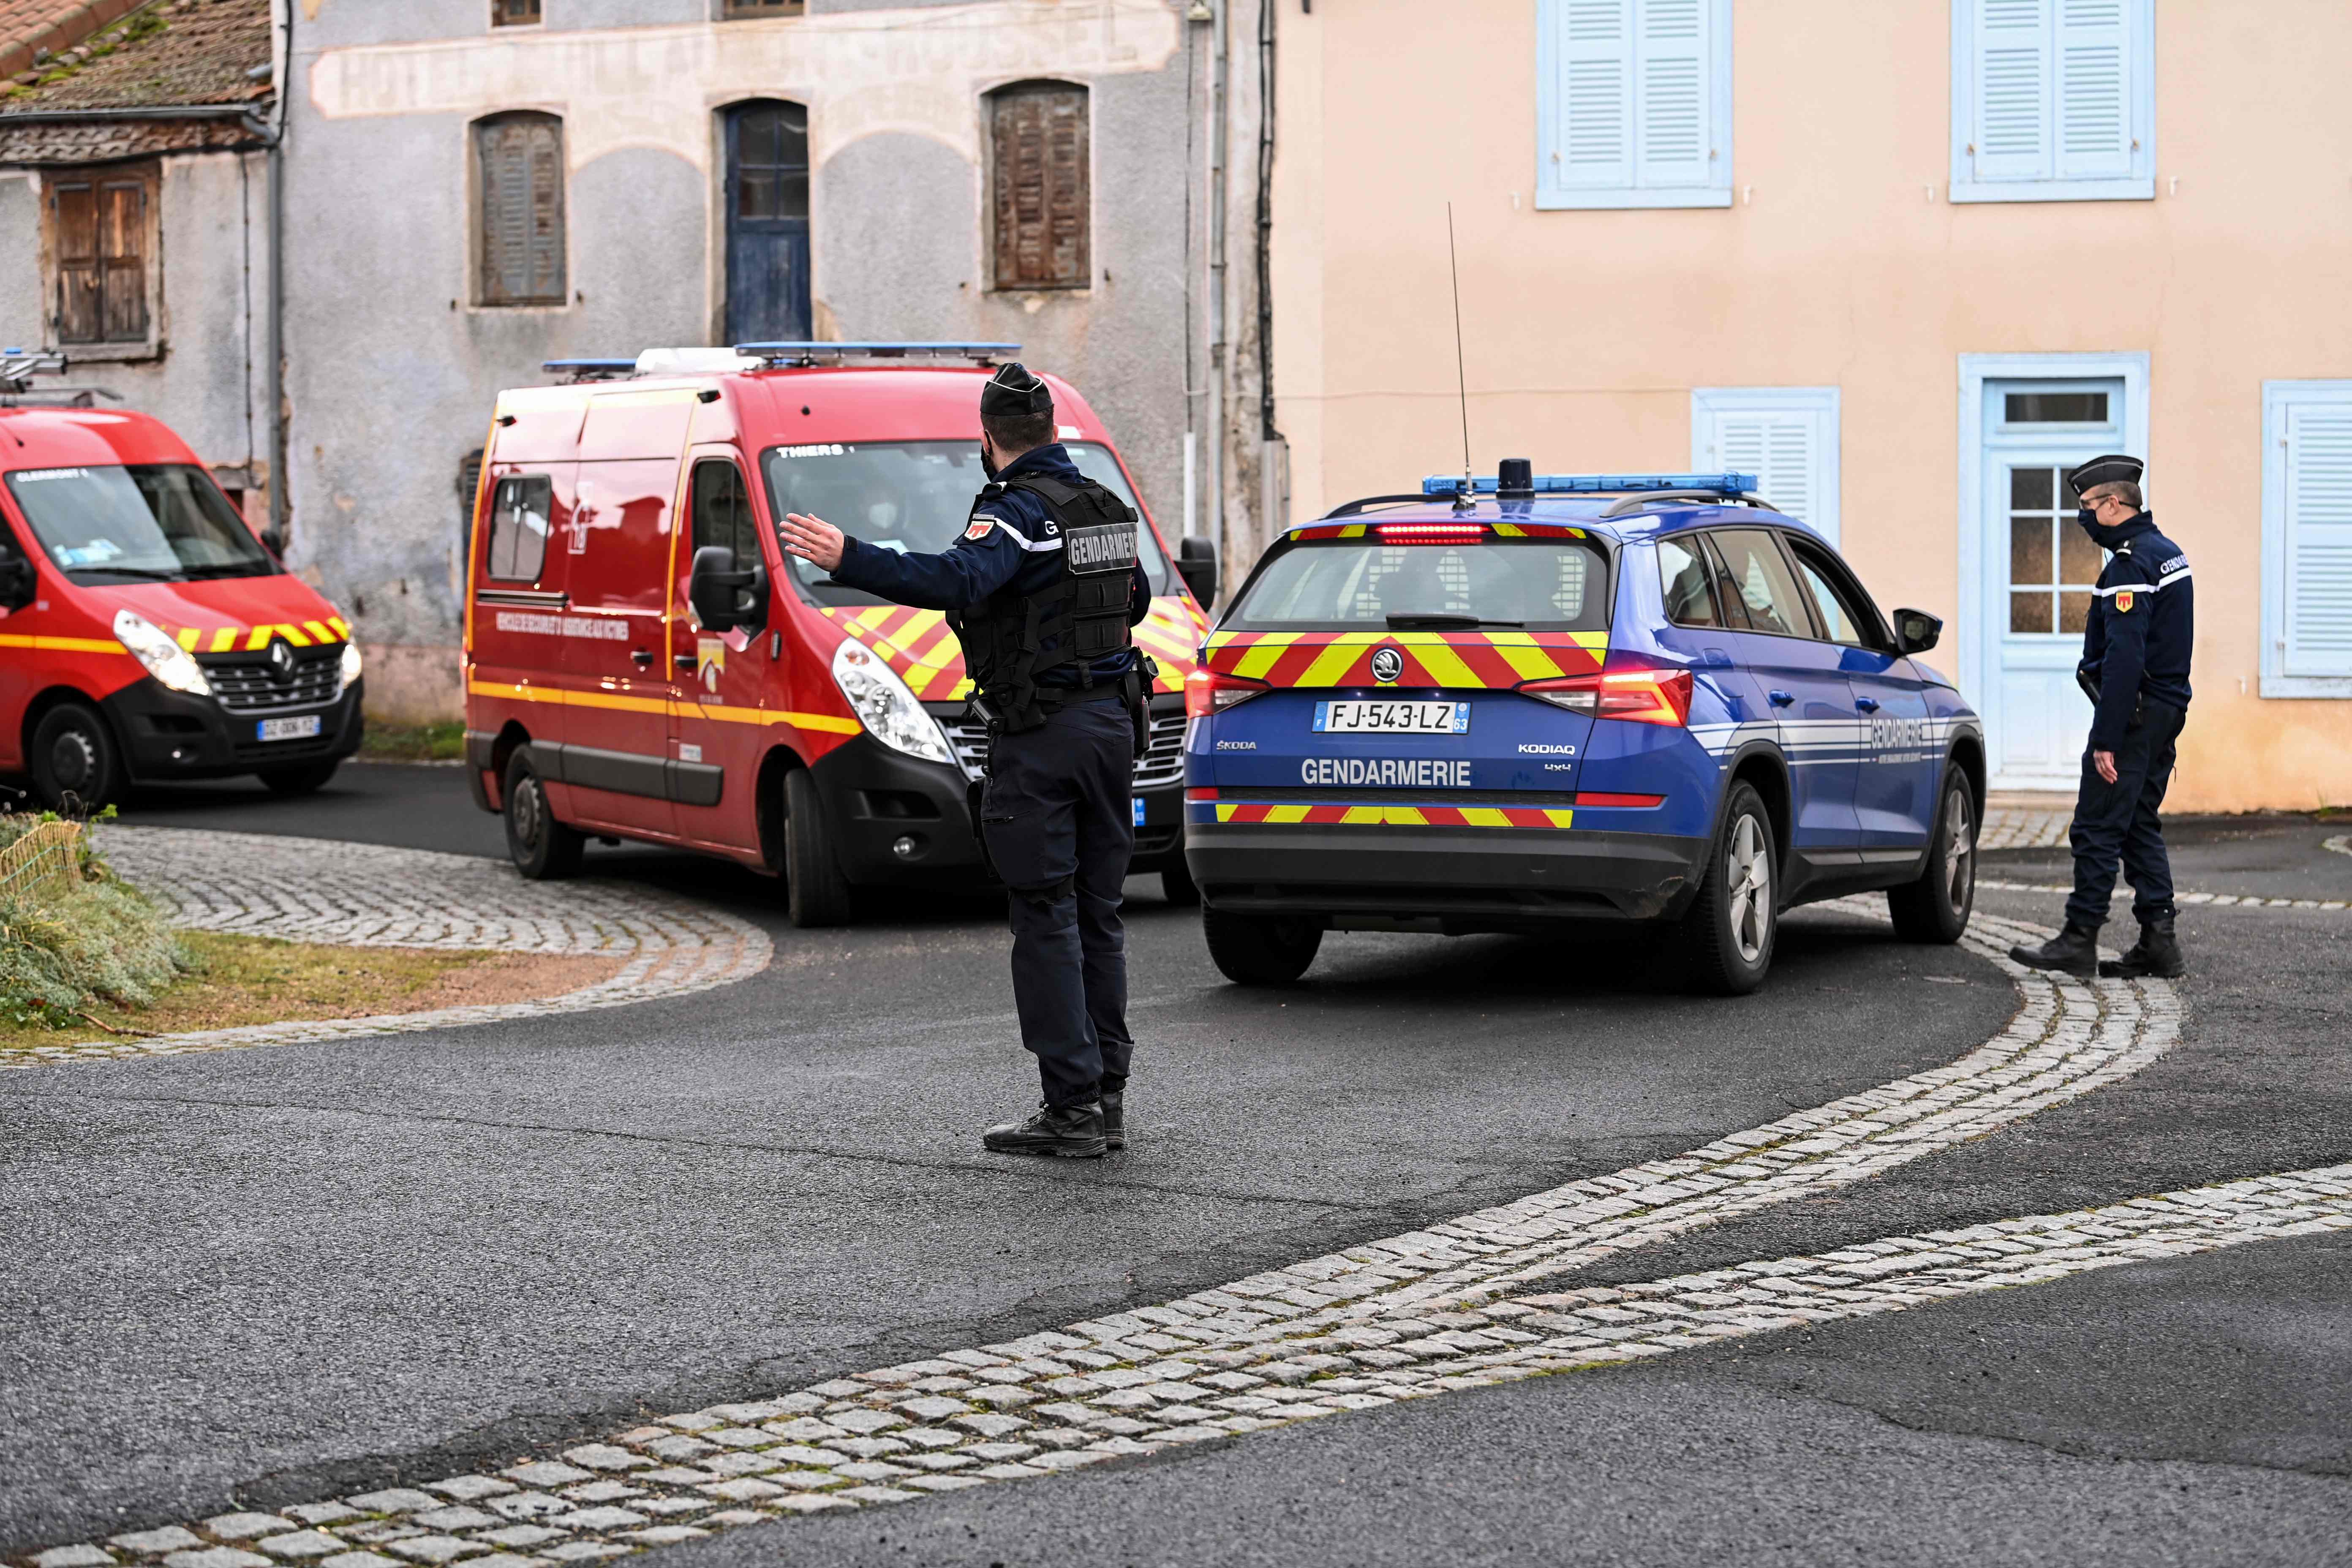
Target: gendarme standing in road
1042 589
2135 646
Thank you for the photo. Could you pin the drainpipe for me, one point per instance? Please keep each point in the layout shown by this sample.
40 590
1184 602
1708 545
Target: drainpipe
282 59
1216 280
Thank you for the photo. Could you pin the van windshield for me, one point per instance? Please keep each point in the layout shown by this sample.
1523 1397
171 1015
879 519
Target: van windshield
912 496
152 521
1356 584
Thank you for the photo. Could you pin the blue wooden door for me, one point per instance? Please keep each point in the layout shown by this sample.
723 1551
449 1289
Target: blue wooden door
767 222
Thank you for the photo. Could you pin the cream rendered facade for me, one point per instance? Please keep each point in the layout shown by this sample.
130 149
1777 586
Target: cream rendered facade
1841 261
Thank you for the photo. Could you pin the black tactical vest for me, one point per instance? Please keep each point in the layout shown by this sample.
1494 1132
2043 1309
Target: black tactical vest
1083 612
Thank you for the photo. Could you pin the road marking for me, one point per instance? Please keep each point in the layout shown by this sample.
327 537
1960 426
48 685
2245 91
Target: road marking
2341 844
2218 901
1400 1318
366 895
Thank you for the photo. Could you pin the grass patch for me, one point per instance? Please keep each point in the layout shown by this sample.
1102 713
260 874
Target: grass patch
229 981
443 743
75 942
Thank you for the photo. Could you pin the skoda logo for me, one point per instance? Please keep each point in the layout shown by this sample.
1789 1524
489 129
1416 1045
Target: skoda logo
1387 665
281 659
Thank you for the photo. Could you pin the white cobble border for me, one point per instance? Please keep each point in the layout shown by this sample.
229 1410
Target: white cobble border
365 895
1410 1316
2216 900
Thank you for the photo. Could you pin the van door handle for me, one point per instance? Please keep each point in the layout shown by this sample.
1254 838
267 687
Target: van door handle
1782 698
641 658
1867 704
682 660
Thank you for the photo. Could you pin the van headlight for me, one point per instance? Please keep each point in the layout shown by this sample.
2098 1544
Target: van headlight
166 661
884 706
351 667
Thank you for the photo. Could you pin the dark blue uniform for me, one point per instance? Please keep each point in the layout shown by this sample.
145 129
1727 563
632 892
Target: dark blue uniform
2136 652
1056 812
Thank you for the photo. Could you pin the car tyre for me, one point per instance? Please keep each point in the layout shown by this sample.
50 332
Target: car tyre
543 849
1176 882
1936 907
307 779
1728 933
815 892
74 765
1260 950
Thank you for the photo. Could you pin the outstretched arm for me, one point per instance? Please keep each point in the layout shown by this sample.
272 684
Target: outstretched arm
955 579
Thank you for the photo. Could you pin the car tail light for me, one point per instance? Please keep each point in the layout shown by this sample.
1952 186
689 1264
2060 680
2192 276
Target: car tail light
1636 696
1208 691
1430 533
1609 797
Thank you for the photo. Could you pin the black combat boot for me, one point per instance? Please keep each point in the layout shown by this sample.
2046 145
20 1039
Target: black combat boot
2157 952
1114 1113
2074 950
1073 1131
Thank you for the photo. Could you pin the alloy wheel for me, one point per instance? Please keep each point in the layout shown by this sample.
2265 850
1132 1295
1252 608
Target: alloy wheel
1751 873
1959 851
529 812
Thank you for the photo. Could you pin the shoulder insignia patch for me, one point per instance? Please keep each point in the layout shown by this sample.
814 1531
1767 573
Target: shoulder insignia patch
980 527
2123 601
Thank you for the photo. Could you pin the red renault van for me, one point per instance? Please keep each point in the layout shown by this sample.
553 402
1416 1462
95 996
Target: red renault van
145 633
621 681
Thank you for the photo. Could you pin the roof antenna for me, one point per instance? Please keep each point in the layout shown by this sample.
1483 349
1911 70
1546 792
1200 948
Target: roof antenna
1466 498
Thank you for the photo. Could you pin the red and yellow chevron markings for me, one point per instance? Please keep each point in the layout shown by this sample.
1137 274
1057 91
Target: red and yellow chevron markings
1399 815
227 640
1469 660
920 648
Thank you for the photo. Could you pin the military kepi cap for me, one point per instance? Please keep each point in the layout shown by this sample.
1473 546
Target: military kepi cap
1013 392
2115 468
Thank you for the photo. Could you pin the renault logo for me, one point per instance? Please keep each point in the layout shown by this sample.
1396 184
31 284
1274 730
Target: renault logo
1387 665
282 660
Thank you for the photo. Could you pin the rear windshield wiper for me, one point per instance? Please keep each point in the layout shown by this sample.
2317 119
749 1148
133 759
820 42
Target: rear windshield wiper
1439 621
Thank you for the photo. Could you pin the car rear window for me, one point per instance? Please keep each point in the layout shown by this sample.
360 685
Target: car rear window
912 496
1354 584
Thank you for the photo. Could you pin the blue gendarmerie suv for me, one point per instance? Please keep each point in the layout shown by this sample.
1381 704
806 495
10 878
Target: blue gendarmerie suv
1527 704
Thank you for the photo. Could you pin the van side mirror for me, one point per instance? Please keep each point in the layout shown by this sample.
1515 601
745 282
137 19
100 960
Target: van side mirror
18 581
1915 631
722 597
1196 562
274 541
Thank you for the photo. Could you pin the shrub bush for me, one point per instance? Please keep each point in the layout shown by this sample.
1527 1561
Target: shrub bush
97 939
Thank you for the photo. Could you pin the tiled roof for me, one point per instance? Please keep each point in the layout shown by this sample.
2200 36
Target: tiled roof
29 26
170 53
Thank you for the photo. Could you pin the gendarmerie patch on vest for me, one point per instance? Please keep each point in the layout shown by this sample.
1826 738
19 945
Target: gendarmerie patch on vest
1107 548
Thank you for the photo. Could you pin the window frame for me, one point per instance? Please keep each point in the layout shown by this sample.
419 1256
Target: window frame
758 10
2278 399
997 189
1693 542
1551 197
1878 636
1824 404
747 527
477 295
149 175
2138 185
1726 598
546 484
499 19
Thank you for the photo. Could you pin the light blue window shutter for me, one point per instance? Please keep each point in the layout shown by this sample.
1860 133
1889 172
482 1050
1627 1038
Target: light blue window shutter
1595 147
1673 93
1781 449
2318 539
2094 97
2012 137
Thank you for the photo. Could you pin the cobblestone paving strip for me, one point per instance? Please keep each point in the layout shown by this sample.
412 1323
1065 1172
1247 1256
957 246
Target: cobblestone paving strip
362 895
2218 901
1408 1316
2008 827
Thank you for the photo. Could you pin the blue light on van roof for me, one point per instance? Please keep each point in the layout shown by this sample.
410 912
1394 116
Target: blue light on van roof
1598 484
807 353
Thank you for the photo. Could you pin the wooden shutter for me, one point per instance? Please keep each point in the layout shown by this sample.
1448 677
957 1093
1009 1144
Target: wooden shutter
2010 129
80 271
521 176
2093 112
1042 187
2318 539
101 239
122 239
1672 92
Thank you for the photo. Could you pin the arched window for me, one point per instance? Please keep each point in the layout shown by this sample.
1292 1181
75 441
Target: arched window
767 221
518 181
1041 181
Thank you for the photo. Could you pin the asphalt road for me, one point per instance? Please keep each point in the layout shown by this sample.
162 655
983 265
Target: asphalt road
255 1276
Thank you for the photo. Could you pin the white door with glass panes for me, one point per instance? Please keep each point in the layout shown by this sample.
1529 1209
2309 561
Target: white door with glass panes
2040 570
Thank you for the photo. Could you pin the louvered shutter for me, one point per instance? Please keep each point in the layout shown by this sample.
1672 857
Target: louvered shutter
521 174
2011 134
1786 435
2317 624
1595 95
2093 74
1671 93
79 268
1042 194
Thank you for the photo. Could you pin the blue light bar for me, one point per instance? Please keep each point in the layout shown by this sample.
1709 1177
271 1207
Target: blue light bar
1598 484
809 353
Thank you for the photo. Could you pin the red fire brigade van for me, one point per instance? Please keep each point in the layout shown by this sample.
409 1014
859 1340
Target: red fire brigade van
145 634
643 661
